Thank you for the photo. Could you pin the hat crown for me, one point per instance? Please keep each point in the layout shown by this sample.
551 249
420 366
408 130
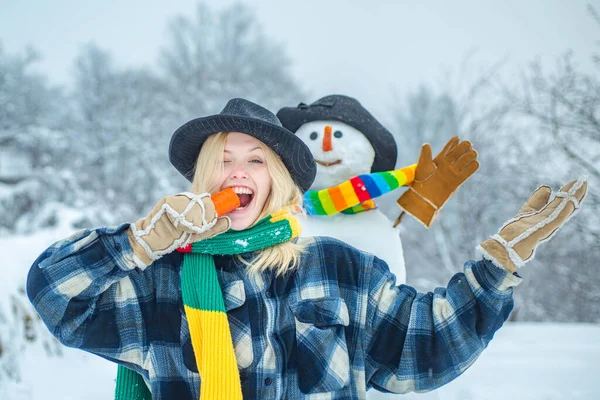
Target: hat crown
335 99
244 108
240 115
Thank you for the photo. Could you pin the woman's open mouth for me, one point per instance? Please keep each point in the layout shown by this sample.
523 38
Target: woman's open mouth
328 163
245 194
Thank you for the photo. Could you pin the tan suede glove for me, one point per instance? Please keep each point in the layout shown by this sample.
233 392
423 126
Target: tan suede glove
178 220
437 179
537 221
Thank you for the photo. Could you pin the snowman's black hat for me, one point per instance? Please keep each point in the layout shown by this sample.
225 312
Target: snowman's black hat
349 111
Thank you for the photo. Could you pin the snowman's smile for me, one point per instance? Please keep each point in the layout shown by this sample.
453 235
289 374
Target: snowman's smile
328 163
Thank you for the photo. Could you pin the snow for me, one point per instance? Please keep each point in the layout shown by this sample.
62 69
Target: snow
529 361
43 369
243 243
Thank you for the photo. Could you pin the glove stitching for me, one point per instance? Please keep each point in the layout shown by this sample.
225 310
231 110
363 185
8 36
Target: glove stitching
566 197
435 168
576 203
194 199
512 254
424 198
489 257
179 218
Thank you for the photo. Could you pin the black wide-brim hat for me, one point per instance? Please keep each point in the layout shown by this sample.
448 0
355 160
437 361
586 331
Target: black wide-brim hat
349 111
243 116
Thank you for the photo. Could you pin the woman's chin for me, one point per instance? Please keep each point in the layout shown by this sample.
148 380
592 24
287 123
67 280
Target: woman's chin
241 220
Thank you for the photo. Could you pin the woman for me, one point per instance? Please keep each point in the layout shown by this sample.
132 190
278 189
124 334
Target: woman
253 310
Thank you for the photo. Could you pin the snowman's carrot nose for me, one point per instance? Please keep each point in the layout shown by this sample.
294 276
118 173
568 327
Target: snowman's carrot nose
327 139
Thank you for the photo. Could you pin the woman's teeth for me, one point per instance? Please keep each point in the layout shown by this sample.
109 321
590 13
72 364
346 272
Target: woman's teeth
242 190
245 194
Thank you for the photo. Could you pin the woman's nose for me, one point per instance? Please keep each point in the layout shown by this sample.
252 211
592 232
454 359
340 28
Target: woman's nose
239 172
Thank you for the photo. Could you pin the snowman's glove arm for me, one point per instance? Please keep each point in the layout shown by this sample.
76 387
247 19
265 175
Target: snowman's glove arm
366 206
360 190
437 179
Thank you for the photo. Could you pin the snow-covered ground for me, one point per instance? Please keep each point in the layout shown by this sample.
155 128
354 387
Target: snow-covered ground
528 361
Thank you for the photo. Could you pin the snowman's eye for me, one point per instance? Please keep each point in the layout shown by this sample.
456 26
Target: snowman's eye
338 134
314 135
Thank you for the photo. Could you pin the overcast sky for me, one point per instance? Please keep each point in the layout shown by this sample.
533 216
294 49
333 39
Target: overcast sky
365 49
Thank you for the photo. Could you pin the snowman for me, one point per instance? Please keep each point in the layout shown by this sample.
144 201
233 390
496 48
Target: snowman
355 157
347 141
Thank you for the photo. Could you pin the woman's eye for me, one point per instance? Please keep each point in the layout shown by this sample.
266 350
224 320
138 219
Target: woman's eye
256 161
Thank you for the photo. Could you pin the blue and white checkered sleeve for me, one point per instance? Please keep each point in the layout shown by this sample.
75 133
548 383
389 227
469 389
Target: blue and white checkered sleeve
417 342
86 288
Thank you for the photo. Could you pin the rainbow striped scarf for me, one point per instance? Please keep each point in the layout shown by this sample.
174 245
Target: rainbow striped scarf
205 309
356 194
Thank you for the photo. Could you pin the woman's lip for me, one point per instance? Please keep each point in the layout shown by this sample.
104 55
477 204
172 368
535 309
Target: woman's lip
236 211
328 163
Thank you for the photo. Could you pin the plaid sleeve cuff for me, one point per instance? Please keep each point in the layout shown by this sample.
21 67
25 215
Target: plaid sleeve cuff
492 277
116 243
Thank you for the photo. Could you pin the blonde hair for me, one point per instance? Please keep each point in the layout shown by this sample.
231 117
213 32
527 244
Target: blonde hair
284 192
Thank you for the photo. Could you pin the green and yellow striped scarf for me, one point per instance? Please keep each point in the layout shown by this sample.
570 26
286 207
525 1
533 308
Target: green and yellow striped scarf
205 309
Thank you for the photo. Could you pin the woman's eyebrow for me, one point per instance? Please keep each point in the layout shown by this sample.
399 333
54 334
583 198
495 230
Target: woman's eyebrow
256 148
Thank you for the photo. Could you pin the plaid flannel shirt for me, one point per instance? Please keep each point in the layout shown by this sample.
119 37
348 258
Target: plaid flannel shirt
332 329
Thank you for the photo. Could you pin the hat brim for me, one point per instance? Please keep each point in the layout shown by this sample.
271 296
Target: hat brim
187 141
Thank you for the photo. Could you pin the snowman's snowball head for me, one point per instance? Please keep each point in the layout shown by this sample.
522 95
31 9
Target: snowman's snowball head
341 151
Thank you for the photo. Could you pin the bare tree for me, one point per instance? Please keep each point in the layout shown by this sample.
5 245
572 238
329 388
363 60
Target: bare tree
564 107
521 143
30 141
122 131
218 56
433 117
